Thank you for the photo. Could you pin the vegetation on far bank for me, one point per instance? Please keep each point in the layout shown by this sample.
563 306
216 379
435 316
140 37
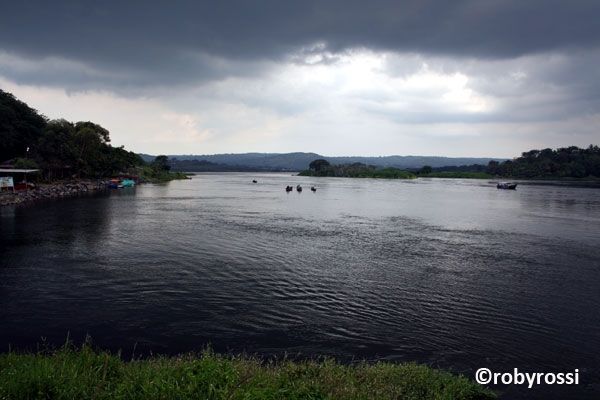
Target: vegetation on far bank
357 170
568 163
159 171
63 149
87 374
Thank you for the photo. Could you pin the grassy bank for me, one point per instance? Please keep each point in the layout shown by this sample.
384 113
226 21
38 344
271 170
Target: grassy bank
154 175
86 374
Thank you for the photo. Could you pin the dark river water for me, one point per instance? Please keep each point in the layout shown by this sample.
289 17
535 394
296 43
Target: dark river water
452 273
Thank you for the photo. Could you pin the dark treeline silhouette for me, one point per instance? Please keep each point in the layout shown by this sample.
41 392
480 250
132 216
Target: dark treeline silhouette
59 147
565 162
300 161
322 167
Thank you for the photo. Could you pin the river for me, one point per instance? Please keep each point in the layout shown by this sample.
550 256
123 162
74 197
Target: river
452 273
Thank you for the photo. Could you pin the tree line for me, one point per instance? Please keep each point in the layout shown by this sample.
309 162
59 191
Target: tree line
322 167
61 148
564 162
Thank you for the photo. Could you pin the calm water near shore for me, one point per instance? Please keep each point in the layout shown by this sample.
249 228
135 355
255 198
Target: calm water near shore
453 273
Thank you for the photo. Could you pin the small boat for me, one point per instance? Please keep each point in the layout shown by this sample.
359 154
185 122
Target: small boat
120 184
299 188
254 181
289 188
128 183
314 189
506 185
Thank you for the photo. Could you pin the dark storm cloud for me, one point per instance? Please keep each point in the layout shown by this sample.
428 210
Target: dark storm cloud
153 42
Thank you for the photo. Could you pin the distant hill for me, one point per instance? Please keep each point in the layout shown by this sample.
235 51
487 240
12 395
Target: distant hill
300 161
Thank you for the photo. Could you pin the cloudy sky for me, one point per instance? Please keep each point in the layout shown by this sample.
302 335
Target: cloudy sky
456 78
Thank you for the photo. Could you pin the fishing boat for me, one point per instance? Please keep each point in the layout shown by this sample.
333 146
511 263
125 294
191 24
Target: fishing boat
506 185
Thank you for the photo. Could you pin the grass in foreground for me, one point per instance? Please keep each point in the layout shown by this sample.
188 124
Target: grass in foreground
86 374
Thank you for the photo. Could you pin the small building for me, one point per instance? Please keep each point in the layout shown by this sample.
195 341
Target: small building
15 179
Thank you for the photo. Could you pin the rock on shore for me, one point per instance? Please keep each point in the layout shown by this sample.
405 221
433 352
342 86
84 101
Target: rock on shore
51 191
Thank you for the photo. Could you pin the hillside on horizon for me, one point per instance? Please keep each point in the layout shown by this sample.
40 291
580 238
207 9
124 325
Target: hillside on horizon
299 161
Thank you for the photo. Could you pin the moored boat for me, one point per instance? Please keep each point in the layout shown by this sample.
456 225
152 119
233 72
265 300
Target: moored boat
128 182
506 185
120 183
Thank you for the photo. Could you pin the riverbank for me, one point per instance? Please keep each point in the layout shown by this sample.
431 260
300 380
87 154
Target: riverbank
54 190
86 374
76 187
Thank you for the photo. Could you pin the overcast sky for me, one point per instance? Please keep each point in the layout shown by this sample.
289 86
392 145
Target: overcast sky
455 78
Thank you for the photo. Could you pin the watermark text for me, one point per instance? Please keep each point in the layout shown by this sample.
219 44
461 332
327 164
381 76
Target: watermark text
484 376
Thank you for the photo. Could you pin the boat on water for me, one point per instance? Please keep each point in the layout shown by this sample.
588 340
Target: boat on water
299 188
314 189
114 184
289 188
506 185
120 183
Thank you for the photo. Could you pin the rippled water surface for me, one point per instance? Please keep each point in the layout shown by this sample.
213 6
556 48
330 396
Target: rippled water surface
453 273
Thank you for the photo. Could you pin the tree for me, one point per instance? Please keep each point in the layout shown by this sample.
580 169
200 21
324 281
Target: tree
90 142
21 127
493 168
426 170
319 165
161 163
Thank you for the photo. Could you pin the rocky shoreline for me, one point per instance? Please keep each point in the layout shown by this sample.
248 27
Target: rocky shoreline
52 191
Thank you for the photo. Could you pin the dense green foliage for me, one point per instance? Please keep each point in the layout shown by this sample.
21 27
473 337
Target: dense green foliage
566 162
356 170
20 125
563 163
85 374
159 170
161 163
149 173
61 148
319 165
426 169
